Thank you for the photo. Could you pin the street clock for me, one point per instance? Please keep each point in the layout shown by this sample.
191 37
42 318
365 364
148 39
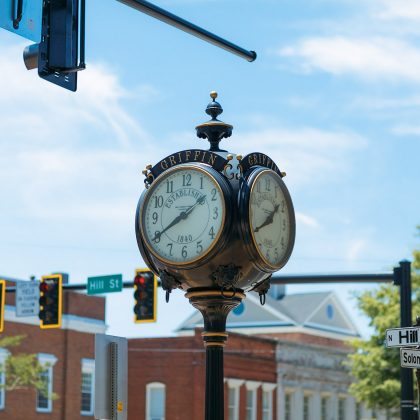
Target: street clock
209 219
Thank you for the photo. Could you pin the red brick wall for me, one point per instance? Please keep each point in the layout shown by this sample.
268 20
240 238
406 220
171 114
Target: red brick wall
179 363
69 347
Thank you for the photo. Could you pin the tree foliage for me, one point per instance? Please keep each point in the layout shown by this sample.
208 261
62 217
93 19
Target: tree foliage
22 370
375 367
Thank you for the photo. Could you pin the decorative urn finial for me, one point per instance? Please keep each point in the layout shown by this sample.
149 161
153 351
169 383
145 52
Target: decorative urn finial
214 130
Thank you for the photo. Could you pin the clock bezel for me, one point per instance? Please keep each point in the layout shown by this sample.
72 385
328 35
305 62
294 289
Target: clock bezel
251 246
218 242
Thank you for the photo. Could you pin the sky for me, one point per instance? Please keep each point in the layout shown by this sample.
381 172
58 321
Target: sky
333 98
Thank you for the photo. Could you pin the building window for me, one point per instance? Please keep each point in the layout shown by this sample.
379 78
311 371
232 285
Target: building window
267 405
288 406
233 403
43 399
341 408
251 404
155 401
324 407
3 356
88 387
358 411
306 406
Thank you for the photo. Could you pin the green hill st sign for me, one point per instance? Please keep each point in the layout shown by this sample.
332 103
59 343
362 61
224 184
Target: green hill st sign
104 284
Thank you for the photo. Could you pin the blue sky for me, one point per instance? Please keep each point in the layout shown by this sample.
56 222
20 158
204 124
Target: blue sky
333 98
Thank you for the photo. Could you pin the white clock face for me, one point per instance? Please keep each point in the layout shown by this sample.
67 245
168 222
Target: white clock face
270 218
183 215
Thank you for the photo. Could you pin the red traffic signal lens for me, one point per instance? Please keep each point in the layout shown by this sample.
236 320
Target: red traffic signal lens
43 287
139 280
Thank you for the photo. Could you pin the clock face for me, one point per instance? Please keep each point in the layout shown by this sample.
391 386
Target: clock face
271 219
183 214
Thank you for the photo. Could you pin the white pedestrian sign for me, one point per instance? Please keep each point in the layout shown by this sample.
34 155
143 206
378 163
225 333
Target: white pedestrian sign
410 358
27 298
403 337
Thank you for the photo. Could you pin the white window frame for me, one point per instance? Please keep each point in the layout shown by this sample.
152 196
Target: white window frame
149 388
328 397
252 386
343 398
47 360
233 387
88 366
310 397
289 392
268 390
4 354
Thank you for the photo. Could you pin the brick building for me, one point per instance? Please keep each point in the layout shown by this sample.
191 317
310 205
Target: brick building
67 353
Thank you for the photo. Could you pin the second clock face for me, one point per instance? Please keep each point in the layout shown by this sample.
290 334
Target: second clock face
271 218
183 215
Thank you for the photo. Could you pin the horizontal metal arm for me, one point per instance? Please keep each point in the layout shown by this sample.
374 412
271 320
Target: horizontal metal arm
171 19
333 278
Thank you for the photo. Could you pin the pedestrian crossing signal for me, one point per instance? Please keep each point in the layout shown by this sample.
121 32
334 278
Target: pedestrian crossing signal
145 292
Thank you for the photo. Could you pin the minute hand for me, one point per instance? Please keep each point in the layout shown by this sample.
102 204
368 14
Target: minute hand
269 219
182 216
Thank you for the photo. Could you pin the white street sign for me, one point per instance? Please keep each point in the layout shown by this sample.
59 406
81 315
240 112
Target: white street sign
403 337
410 358
27 298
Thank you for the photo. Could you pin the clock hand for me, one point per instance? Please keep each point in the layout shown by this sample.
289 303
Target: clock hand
269 219
182 216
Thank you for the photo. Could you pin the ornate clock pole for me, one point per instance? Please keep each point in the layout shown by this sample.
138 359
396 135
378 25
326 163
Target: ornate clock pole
215 225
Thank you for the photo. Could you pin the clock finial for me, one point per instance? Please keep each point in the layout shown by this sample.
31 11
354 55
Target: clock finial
214 130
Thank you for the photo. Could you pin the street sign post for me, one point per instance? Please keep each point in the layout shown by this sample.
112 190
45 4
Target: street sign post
410 358
27 298
403 337
104 284
111 377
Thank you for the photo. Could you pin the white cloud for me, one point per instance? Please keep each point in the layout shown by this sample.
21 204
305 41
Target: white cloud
80 151
373 59
304 153
306 220
406 130
399 9
355 249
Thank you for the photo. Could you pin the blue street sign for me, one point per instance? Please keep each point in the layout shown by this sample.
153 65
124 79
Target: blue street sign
22 17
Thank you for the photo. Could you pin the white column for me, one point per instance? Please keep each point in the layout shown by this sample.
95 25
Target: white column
280 398
297 404
316 406
350 408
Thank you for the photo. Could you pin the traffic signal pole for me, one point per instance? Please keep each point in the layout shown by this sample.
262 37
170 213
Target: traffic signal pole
179 23
401 276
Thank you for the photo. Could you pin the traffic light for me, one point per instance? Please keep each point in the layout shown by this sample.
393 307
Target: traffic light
56 56
50 301
145 291
2 302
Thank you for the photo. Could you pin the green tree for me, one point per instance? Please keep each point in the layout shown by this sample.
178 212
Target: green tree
376 368
22 370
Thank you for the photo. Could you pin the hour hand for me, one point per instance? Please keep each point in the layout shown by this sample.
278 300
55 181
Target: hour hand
183 215
269 219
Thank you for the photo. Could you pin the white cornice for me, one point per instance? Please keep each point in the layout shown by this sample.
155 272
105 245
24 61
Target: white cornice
291 329
69 322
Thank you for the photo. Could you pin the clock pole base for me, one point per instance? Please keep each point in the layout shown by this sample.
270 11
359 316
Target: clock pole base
214 305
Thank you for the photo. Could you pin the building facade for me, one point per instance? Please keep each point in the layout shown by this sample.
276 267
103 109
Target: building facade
67 354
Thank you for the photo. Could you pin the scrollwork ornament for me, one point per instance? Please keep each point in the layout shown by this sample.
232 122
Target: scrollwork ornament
168 282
